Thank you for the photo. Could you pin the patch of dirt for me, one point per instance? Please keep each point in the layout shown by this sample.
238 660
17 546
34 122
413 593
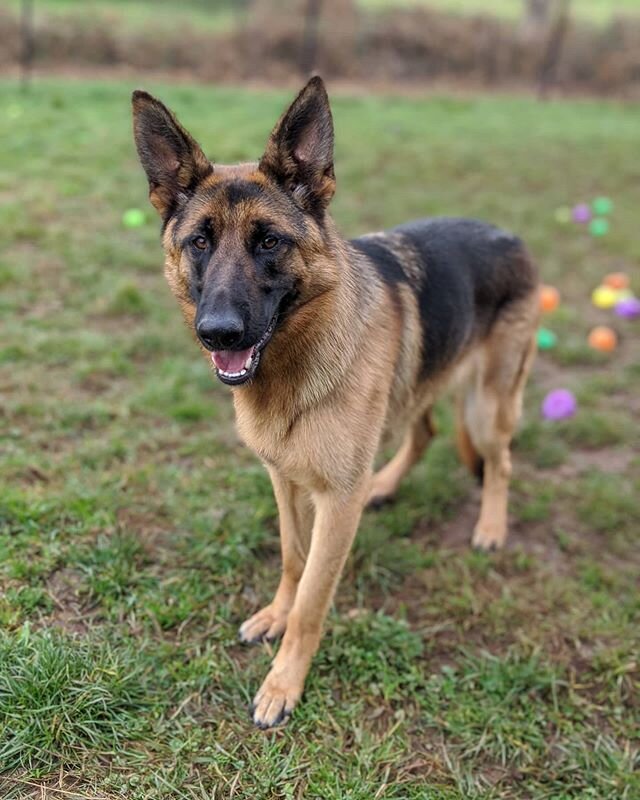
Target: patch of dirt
58 787
456 533
70 612
151 526
612 460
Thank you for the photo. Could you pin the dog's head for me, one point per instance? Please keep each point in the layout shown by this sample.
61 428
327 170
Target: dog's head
240 241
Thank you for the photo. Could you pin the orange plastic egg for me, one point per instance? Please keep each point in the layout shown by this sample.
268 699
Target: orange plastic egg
617 280
549 298
603 338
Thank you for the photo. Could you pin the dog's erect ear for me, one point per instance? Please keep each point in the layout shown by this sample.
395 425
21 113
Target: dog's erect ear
172 159
299 153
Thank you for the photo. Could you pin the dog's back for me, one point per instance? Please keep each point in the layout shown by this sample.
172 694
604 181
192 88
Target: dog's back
463 273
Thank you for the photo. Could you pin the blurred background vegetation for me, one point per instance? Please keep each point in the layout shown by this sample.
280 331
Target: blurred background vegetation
584 45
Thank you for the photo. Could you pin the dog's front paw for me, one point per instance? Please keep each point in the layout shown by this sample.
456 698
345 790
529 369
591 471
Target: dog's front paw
275 701
266 624
489 537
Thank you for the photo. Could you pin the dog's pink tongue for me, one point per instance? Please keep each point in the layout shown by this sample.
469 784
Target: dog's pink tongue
231 360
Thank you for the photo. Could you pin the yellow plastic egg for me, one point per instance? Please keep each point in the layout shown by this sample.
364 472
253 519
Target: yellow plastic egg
604 297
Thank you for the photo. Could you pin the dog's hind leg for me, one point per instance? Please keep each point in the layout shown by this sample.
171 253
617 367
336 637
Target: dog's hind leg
386 481
296 521
492 408
466 450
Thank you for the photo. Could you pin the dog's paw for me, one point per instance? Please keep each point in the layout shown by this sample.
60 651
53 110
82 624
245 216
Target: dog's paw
265 625
275 701
488 537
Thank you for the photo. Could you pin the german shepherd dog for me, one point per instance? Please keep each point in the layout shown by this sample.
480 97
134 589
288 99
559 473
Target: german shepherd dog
329 346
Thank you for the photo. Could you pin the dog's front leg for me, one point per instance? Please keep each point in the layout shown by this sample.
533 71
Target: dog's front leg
296 520
336 521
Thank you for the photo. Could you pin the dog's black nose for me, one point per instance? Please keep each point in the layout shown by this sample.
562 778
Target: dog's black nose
220 331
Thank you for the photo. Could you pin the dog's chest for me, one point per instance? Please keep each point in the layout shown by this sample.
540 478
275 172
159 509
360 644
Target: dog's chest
289 452
319 449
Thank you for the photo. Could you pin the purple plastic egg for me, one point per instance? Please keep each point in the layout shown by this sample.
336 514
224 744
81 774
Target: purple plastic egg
559 404
629 308
581 213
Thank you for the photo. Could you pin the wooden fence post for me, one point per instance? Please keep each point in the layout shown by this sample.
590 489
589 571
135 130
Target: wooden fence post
311 36
553 51
28 42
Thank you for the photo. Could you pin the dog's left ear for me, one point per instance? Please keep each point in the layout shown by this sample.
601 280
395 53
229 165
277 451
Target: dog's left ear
299 153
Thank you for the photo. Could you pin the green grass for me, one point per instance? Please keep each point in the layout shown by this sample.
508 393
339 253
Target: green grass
136 533
212 15
596 11
59 696
221 14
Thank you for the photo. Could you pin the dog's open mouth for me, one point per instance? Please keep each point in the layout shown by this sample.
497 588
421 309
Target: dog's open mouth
235 367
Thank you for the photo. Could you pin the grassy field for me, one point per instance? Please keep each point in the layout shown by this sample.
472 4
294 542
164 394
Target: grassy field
136 533
217 14
136 14
597 11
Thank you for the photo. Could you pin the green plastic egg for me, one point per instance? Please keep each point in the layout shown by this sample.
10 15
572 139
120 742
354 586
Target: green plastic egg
133 218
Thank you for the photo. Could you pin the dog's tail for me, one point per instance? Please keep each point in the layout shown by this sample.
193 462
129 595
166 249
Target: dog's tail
466 450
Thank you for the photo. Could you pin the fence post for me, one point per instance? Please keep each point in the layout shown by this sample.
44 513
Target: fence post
553 51
28 41
311 37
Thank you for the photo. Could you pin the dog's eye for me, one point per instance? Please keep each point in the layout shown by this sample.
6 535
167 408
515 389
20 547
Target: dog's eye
200 243
269 242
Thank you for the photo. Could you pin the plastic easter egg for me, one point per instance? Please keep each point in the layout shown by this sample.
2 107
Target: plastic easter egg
559 404
562 215
602 206
549 298
546 339
629 308
604 297
603 338
133 218
599 227
616 280
581 213
623 294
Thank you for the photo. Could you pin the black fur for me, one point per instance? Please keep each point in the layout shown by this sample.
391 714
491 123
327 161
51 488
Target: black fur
468 271
238 191
387 263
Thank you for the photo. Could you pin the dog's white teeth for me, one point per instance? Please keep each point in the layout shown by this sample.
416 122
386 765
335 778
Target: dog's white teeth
247 363
233 374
